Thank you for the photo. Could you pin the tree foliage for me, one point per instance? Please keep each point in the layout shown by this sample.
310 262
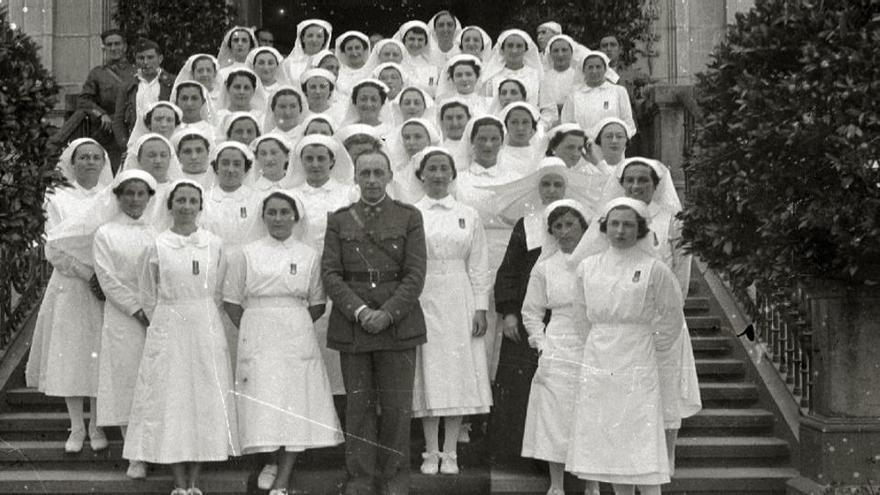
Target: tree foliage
27 94
181 28
784 179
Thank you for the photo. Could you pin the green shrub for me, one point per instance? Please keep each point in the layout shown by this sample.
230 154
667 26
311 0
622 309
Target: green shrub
783 181
181 28
27 94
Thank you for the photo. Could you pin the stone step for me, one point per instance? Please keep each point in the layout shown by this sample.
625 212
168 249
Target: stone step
711 343
728 395
704 325
730 451
686 481
42 425
720 368
31 399
695 305
728 422
222 482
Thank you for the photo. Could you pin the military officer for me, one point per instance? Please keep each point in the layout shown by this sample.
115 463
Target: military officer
373 270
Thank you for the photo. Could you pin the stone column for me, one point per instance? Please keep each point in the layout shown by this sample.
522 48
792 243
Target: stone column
840 435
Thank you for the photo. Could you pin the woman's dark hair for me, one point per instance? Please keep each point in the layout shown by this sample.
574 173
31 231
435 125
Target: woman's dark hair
189 84
141 149
149 115
518 36
599 136
454 104
120 188
203 58
588 57
283 197
247 162
416 91
239 119
482 42
320 120
654 177
473 64
303 85
249 36
519 84
417 30
643 224
303 32
193 137
351 37
170 200
361 139
560 212
383 96
75 150
399 72
232 75
435 153
486 121
532 117
286 92
440 14
281 145
329 151
559 137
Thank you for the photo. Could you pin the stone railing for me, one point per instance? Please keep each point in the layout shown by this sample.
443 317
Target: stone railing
24 278
780 320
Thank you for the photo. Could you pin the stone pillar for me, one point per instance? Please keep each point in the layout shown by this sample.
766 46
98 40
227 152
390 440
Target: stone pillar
665 138
840 435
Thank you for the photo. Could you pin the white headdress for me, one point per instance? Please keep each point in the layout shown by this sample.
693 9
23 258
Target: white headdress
207 112
257 169
374 62
300 228
258 101
396 149
486 53
298 54
224 56
351 115
397 113
140 125
578 53
74 235
409 187
343 168
550 245
65 162
280 74
446 87
187 74
231 118
269 122
531 59
132 161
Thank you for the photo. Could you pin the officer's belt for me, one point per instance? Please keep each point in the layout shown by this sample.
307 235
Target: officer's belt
371 276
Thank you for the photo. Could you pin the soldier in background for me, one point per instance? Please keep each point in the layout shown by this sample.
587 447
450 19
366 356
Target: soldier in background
373 270
633 80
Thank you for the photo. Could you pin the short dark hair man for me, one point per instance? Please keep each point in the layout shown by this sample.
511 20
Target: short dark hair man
150 84
373 269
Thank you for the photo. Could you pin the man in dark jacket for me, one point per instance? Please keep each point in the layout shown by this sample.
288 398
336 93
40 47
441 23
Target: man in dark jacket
150 84
373 270
98 96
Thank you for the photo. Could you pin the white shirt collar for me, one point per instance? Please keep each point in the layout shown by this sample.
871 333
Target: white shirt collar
446 202
478 169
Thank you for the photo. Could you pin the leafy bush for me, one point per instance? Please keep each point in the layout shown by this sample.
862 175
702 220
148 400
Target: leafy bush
588 21
784 180
181 28
27 93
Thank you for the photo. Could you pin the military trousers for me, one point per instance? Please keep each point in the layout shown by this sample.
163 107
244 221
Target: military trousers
377 439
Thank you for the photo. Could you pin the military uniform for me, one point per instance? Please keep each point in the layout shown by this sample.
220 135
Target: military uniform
374 256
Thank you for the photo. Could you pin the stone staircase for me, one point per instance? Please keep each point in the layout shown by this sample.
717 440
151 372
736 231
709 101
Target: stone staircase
728 448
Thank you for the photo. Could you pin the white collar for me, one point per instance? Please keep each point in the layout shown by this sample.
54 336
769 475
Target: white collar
477 169
446 202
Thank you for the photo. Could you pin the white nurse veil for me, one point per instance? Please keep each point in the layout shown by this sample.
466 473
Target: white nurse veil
65 162
224 55
131 158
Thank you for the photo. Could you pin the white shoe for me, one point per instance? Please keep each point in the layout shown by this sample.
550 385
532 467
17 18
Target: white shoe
449 463
267 476
278 491
559 491
180 491
98 440
194 491
431 463
75 441
137 470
